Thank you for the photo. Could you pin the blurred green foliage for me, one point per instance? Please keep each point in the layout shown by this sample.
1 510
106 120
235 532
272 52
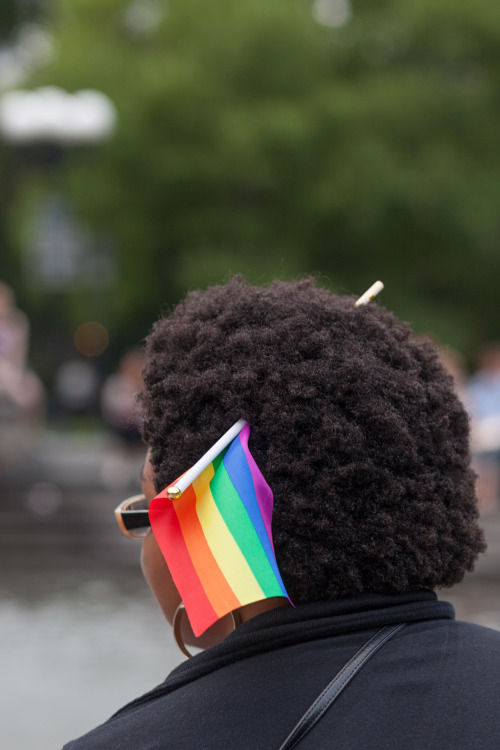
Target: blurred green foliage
13 13
10 12
253 139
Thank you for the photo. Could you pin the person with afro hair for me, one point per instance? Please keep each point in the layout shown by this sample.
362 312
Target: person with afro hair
358 431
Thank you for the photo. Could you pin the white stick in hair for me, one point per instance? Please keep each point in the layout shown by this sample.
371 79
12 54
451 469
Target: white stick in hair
370 294
194 472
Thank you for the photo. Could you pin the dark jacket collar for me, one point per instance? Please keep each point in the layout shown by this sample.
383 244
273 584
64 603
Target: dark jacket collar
285 626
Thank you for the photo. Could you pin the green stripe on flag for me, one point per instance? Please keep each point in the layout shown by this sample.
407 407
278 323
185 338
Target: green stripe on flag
240 526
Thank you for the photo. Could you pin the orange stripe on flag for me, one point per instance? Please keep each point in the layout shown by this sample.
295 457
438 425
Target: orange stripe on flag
217 589
168 534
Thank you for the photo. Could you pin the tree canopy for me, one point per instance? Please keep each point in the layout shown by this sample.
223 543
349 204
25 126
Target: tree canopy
253 138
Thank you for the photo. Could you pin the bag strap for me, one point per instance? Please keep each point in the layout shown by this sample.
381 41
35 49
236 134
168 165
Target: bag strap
339 682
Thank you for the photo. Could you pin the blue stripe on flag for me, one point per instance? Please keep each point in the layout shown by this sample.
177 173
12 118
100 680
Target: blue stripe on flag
237 467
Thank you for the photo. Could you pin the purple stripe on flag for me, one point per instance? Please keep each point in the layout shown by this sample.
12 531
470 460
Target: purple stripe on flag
262 490
238 470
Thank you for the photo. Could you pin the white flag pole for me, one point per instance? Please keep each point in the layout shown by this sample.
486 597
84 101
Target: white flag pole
194 472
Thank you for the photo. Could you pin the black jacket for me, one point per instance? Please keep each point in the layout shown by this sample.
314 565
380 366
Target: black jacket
434 686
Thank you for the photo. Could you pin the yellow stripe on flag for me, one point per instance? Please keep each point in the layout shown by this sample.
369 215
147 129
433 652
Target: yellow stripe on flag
222 544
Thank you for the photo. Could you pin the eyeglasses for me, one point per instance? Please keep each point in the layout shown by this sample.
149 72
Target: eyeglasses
132 517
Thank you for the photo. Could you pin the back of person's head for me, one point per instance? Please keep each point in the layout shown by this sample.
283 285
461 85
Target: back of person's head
354 424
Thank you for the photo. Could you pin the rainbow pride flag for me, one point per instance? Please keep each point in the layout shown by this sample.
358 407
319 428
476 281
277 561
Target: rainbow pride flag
216 537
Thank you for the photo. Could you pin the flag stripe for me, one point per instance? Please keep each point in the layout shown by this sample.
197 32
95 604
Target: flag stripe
219 593
168 534
236 464
239 524
261 488
226 552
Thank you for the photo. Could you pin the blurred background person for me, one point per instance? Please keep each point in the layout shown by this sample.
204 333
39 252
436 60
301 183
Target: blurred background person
119 393
121 415
14 331
22 396
483 401
76 390
454 363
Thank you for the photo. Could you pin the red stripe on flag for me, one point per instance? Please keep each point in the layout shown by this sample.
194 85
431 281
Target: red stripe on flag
168 534
214 582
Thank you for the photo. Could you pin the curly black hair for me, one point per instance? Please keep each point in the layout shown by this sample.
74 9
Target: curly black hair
354 423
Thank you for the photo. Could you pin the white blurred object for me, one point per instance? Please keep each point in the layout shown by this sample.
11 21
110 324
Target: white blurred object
76 385
34 45
30 49
143 16
333 13
12 68
51 114
485 434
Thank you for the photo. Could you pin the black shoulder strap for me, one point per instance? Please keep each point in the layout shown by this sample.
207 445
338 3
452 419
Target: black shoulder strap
335 687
